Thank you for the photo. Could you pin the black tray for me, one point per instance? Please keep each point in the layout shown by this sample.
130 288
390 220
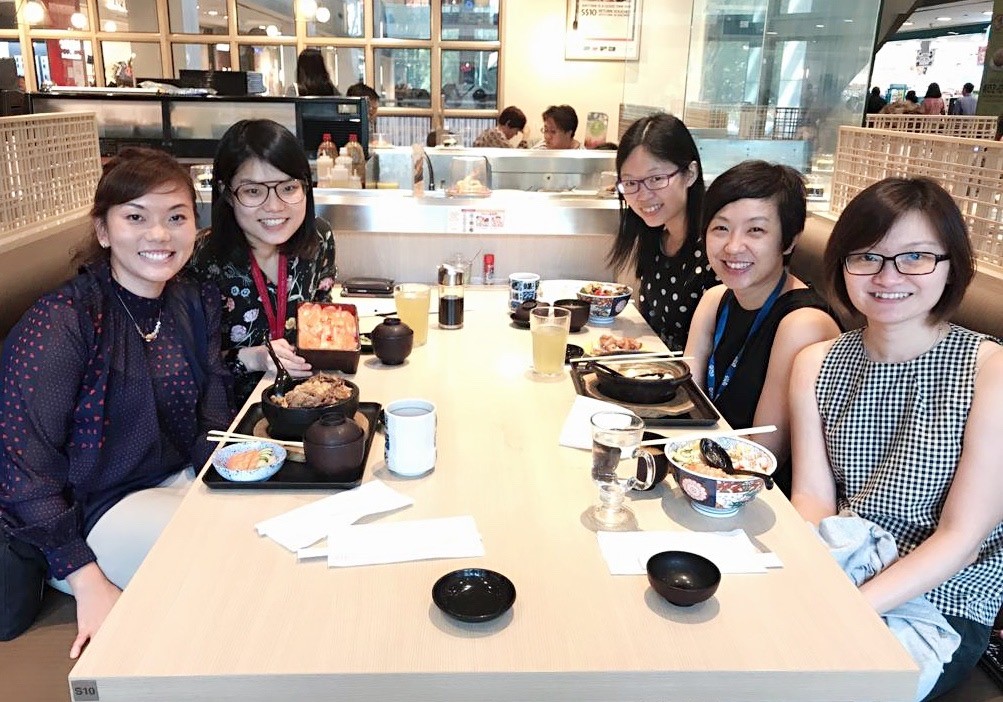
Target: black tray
689 408
292 474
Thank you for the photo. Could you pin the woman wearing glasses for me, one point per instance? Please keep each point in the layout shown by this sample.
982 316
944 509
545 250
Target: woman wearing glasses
900 421
746 332
661 190
266 252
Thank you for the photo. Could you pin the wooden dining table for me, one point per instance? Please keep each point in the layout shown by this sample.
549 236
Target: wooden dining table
217 612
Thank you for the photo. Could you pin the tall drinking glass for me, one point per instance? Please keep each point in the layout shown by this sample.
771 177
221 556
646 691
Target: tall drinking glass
549 327
615 438
413 303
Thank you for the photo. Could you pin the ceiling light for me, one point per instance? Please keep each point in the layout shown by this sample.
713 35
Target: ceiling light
943 19
212 13
848 21
34 12
307 9
109 26
771 34
819 26
323 14
272 31
78 20
223 47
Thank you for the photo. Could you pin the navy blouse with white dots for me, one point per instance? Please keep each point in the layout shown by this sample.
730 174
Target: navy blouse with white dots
90 412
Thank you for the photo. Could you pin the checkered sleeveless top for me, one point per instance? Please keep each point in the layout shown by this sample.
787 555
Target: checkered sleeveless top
893 434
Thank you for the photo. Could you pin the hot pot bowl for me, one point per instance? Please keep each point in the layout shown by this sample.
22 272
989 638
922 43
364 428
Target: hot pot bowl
642 382
711 492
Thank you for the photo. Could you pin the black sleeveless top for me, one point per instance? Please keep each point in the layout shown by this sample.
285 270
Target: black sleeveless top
737 403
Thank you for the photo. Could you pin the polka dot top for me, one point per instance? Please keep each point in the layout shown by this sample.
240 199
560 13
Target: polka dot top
671 287
90 412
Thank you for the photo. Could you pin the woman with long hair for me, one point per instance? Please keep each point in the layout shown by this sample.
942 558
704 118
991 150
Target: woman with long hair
312 77
266 251
108 387
661 190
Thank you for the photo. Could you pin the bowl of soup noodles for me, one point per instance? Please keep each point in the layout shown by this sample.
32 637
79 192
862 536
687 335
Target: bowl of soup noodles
710 490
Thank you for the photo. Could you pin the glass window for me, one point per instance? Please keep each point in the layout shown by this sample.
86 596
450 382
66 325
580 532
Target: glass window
8 14
333 18
200 57
137 16
402 19
404 77
276 64
11 48
470 21
273 20
347 66
198 16
46 14
66 62
470 79
129 61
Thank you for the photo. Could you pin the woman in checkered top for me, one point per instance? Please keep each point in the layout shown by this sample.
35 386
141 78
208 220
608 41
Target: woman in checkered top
901 421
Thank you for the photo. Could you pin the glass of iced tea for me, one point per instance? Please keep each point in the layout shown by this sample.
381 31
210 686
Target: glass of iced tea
615 439
549 327
413 301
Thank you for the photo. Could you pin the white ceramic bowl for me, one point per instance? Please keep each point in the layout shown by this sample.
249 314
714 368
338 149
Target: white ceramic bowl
720 496
249 475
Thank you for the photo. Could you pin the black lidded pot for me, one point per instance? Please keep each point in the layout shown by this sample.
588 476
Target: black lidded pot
335 447
392 341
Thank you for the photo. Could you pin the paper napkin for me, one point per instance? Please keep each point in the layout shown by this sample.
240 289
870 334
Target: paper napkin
396 542
310 523
577 430
627 552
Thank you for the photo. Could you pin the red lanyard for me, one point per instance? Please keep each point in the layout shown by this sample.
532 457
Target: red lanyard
276 322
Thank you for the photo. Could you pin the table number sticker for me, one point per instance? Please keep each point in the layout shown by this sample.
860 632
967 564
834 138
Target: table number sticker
470 220
84 691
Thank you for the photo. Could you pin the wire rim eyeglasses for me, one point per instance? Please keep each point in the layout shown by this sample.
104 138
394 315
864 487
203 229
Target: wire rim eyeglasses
906 263
291 192
657 181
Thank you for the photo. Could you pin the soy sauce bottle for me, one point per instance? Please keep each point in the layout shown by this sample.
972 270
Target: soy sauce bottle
450 296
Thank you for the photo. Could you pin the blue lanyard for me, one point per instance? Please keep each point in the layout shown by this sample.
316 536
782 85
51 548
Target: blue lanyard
713 388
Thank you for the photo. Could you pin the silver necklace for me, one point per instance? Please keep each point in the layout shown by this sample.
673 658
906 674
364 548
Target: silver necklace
144 336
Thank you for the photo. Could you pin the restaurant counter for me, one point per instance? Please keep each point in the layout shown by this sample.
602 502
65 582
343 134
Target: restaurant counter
218 612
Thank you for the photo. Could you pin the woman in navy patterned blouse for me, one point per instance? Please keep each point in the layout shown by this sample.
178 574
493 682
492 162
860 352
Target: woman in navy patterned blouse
266 251
107 388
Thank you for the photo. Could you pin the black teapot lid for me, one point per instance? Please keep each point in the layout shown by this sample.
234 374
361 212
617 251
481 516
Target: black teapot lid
333 429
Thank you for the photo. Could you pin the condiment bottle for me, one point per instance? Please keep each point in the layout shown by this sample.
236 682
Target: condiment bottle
355 150
325 161
450 296
489 269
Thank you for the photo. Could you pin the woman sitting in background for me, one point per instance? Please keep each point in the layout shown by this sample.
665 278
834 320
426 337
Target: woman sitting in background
266 252
661 189
107 389
312 77
899 421
746 332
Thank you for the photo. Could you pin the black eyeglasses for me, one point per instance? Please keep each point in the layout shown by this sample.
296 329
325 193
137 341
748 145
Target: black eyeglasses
658 181
291 192
906 263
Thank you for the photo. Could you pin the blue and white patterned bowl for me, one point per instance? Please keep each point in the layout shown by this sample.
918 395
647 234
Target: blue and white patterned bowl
719 496
606 301
263 472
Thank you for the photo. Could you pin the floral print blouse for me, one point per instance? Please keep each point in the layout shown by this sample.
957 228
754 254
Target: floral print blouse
244 321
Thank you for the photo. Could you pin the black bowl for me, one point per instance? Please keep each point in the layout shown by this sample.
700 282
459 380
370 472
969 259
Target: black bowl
579 312
683 578
473 594
292 422
520 316
643 389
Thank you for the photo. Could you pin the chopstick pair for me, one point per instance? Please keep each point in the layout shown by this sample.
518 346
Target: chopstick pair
622 357
714 434
227 437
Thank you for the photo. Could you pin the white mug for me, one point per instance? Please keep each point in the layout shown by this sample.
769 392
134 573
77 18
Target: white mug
410 432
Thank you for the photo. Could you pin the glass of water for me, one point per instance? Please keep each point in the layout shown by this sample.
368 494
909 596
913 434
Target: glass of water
615 439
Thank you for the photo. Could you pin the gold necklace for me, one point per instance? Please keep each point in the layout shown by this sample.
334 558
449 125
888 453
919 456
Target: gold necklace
144 336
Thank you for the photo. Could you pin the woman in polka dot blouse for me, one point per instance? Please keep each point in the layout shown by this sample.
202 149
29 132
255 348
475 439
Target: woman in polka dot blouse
107 389
746 332
266 252
900 421
661 189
